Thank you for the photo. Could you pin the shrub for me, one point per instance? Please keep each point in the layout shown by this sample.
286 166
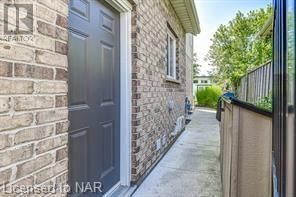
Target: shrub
265 103
209 96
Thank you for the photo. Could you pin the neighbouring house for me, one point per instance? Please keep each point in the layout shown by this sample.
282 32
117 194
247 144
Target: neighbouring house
92 90
201 82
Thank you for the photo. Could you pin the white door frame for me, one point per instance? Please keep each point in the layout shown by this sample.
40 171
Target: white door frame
125 9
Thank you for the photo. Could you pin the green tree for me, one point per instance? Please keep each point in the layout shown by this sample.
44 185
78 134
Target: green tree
209 96
236 49
195 67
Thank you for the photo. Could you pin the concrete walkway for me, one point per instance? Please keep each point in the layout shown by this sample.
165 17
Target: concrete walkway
191 167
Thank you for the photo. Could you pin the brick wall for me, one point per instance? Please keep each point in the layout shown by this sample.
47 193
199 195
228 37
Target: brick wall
151 118
33 93
33 100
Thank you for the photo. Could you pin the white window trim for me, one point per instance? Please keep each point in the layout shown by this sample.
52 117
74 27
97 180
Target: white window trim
171 36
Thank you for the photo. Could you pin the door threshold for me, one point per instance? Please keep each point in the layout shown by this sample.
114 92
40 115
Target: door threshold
120 190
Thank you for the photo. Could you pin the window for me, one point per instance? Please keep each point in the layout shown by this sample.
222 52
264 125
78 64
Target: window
171 63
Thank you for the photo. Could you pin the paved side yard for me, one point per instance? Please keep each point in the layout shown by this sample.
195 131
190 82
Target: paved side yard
191 167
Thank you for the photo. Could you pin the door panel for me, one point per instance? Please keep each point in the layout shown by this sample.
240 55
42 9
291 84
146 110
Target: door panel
94 94
107 146
107 71
79 148
80 8
77 54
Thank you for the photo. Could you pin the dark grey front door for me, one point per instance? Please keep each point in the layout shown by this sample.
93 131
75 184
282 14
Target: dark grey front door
94 98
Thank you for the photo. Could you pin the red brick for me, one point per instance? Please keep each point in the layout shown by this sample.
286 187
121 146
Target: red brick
61 74
62 21
61 47
46 29
30 71
5 69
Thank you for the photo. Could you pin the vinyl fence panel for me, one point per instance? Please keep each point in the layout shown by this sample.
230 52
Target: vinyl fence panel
257 84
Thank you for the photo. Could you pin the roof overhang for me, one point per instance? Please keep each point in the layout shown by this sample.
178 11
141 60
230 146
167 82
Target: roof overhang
186 11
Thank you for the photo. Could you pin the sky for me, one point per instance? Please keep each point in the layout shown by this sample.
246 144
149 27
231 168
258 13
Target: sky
211 14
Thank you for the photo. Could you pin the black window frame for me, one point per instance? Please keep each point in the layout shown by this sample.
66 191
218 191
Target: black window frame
283 185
